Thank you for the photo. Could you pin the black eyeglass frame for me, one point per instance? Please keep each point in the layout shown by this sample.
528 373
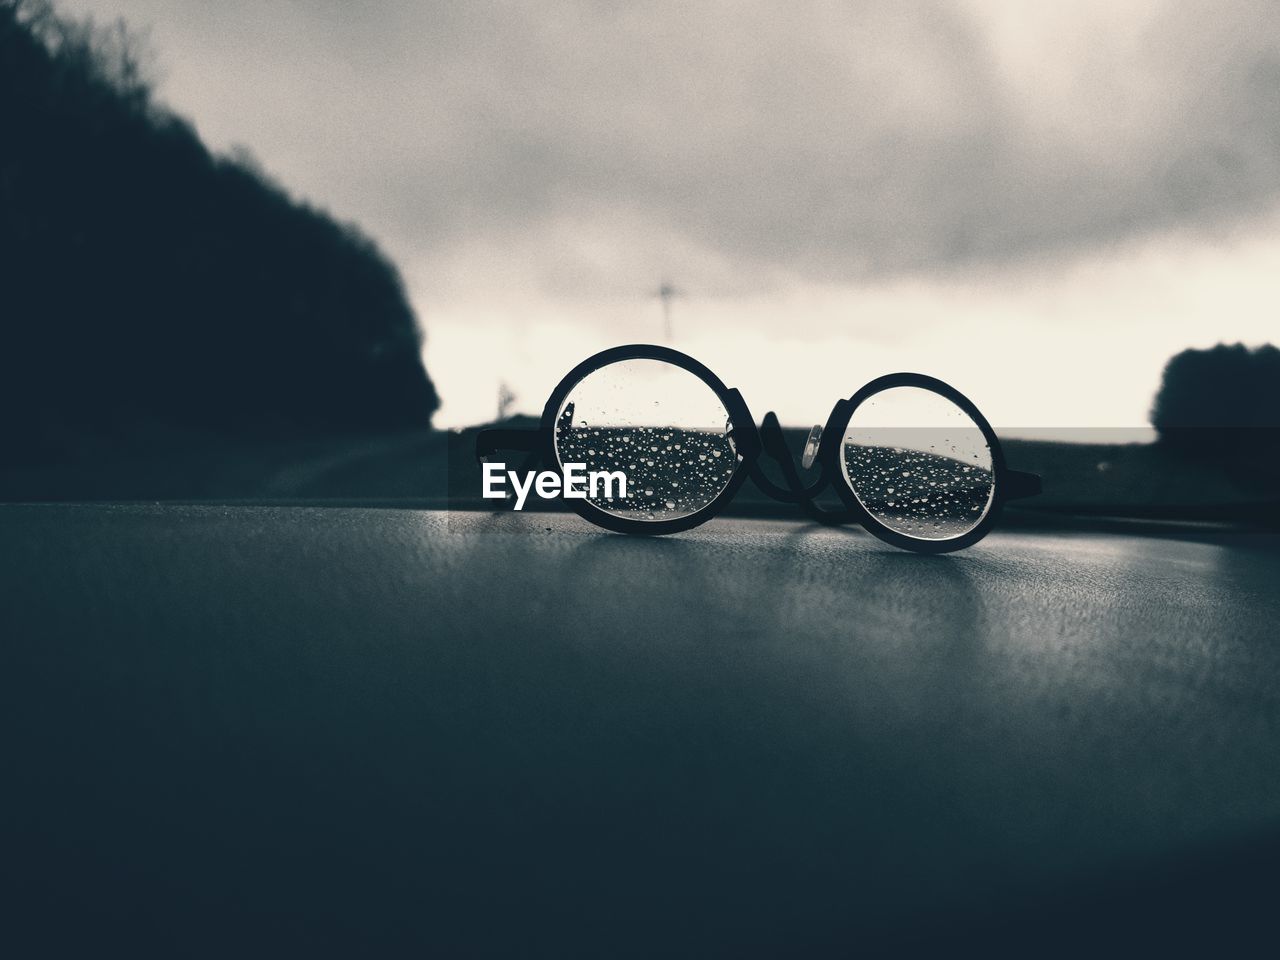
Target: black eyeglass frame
750 441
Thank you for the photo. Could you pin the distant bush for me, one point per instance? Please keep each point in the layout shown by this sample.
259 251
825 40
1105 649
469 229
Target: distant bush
1223 403
146 280
1225 386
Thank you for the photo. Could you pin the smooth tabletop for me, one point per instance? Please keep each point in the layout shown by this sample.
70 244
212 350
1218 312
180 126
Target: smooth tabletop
264 728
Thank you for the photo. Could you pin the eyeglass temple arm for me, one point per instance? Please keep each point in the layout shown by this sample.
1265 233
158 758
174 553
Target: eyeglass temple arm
1018 485
769 488
775 444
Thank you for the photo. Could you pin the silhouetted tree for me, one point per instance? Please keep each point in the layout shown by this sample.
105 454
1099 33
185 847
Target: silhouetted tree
146 280
1224 403
1225 386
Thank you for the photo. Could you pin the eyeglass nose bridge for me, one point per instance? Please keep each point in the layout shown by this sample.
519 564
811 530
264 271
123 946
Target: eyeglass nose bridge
743 435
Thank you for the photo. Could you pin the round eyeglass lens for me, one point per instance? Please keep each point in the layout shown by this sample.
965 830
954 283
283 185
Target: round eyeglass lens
663 427
918 463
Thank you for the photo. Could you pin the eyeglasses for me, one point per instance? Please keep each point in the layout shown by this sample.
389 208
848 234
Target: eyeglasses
910 457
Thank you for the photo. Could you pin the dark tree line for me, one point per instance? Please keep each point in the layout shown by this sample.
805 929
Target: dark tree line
1223 404
146 281
1229 386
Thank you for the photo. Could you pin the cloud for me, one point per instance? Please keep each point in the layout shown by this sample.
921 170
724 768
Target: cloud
586 148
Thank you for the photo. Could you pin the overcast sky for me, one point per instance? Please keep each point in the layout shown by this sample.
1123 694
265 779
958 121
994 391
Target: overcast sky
1038 202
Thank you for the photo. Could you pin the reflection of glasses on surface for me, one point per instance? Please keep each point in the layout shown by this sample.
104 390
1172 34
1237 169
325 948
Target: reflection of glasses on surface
910 457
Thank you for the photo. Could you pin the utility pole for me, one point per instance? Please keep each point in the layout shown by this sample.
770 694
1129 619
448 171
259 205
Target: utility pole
505 399
666 293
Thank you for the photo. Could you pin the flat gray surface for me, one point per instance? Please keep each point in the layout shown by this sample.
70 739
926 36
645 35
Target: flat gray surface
514 732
